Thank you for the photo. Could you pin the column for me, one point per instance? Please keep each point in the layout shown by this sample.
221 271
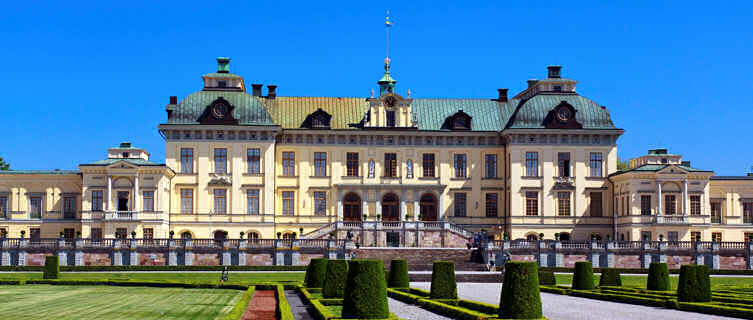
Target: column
440 209
339 205
685 205
109 193
658 198
416 209
364 207
403 207
135 206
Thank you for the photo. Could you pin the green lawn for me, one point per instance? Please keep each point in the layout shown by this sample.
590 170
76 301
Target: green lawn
103 302
640 281
202 277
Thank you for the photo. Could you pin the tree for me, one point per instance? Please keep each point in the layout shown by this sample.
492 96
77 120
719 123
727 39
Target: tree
622 165
4 165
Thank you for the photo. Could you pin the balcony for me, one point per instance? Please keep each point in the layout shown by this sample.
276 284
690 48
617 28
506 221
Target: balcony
122 215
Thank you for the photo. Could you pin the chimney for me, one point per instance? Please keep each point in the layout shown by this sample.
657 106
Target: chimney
173 100
554 72
531 82
271 91
502 95
256 89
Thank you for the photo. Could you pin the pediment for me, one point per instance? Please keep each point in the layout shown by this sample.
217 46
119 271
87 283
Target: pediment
220 111
122 165
562 116
672 169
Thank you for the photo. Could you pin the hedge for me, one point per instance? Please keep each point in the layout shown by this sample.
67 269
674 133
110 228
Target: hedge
51 267
334 283
240 306
653 302
520 291
139 283
645 271
443 284
398 276
555 290
718 310
450 311
583 279
284 312
478 306
316 273
658 277
546 278
610 277
694 284
11 282
365 290
403 296
154 268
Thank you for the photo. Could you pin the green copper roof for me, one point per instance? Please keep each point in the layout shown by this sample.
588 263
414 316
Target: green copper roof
659 167
249 110
134 161
290 112
39 172
486 114
532 112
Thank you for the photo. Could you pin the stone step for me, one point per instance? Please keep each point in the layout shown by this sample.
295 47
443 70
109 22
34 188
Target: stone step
490 277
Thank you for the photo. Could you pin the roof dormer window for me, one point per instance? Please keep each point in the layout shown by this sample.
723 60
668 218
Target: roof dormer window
458 121
222 84
125 154
319 119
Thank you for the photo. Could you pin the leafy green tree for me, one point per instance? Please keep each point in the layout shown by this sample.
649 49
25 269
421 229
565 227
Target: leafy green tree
4 165
622 165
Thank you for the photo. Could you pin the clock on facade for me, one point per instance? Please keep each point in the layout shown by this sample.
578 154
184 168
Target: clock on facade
564 114
220 110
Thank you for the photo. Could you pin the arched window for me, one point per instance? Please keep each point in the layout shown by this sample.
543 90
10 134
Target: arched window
532 237
564 236
253 235
185 235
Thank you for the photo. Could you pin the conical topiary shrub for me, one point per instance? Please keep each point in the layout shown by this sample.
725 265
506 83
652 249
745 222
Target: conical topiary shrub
583 279
658 277
51 267
334 282
398 277
610 277
520 291
546 278
365 294
316 273
694 284
443 285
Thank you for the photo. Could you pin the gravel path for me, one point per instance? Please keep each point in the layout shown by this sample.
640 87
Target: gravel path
406 311
300 309
561 307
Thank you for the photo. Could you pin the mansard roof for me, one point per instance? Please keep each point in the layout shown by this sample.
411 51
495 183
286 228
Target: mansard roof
487 114
531 113
248 110
40 172
291 112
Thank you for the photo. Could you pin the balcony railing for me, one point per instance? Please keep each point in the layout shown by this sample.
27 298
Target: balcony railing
716 219
671 219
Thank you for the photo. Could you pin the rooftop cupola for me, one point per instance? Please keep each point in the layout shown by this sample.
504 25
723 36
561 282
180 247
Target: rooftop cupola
223 80
386 83
223 65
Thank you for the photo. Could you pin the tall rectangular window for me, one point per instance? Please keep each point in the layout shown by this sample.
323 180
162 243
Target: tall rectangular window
390 118
220 201
672 236
390 165
186 200
748 236
253 160
460 204
595 165
288 203
34 234
490 162
96 234
121 233
3 207
428 164
68 233
220 160
532 203
597 209
716 212
563 164
716 236
532 164
320 164
148 201
186 160
35 208
460 164
320 203
645 205
695 236
695 205
352 164
252 201
670 205
563 203
148 233
69 207
97 200
747 212
288 163
492 204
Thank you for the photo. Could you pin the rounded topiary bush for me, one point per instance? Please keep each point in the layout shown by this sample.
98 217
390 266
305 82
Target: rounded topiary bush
365 295
583 279
398 277
443 285
658 277
334 281
694 284
520 291
610 277
546 278
51 267
316 273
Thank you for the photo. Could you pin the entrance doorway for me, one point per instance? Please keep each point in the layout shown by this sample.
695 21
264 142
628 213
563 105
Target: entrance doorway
428 207
122 200
390 208
352 208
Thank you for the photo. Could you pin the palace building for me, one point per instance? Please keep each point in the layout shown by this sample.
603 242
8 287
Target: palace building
542 161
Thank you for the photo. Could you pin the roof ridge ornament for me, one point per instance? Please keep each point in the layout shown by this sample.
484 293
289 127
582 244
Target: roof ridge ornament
387 83
223 65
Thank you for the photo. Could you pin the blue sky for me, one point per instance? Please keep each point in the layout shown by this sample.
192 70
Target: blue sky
79 77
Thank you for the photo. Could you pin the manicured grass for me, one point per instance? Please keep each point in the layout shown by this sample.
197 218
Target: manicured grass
200 277
639 281
103 302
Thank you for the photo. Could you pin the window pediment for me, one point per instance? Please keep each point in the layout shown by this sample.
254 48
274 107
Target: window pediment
220 111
